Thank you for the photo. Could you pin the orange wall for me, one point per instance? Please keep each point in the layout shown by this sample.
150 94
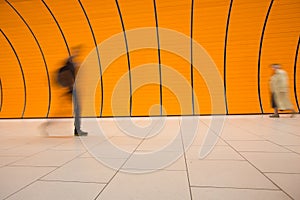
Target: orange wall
240 38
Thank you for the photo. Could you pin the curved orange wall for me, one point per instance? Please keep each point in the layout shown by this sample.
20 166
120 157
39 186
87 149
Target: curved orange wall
242 38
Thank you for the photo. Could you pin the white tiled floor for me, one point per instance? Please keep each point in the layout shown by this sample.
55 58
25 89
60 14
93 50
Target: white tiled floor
184 158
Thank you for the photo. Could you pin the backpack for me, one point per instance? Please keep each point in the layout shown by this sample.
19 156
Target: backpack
65 77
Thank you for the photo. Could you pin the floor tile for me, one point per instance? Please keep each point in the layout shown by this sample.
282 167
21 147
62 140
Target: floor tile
150 161
257 146
294 148
231 132
161 145
205 138
282 125
110 150
125 140
236 194
274 162
148 186
5 160
59 191
288 182
70 145
24 150
82 170
9 142
15 178
283 138
238 174
214 153
49 158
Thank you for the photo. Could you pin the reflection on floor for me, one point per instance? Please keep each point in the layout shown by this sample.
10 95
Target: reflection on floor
221 157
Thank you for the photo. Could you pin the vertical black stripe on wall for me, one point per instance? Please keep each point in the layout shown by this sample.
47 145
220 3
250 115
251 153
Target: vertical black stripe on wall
159 58
192 63
259 55
295 74
128 57
225 54
98 55
22 72
1 95
59 27
42 53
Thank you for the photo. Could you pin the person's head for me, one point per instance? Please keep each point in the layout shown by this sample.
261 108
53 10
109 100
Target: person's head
275 66
76 50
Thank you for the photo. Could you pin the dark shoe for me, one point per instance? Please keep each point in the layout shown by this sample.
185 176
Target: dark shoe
80 133
274 116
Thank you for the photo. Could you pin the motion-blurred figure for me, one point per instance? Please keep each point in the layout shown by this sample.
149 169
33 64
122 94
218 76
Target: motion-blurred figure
66 78
280 97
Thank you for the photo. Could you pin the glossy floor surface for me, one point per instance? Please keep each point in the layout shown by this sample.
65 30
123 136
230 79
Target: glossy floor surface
221 157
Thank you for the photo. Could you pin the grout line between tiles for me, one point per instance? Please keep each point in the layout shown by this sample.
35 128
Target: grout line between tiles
283 146
117 171
38 179
292 173
64 181
236 188
186 165
274 128
258 170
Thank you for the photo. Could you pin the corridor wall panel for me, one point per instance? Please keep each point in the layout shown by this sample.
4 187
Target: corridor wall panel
145 79
105 20
279 46
21 39
146 56
175 15
244 33
13 99
211 37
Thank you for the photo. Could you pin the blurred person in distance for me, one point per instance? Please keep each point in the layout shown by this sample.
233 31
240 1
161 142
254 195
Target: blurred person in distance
280 96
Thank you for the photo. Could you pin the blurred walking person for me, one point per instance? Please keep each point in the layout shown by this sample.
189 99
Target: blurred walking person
66 78
280 96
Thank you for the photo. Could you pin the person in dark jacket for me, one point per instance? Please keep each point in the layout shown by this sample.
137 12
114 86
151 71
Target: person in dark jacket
69 79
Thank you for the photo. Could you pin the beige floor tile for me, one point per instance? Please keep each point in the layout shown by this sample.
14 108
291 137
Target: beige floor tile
113 163
125 140
6 160
9 142
283 138
151 161
15 178
24 150
285 124
159 185
80 143
58 191
214 153
205 138
237 194
29 147
239 174
231 132
110 150
49 158
82 170
274 162
74 144
161 145
257 146
287 182
294 148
